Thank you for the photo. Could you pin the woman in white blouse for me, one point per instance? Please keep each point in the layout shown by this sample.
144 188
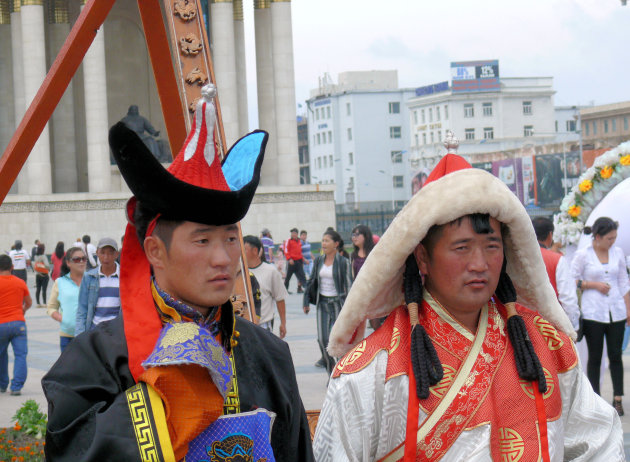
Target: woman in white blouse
600 272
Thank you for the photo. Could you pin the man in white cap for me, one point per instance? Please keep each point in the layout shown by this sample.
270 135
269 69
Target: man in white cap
459 371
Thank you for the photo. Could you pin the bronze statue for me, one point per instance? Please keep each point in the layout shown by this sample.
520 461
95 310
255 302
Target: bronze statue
134 121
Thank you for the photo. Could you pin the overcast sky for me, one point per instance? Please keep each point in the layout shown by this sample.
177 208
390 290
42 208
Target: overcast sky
582 44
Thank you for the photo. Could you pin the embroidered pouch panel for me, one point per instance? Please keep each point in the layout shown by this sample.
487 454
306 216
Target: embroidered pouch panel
244 437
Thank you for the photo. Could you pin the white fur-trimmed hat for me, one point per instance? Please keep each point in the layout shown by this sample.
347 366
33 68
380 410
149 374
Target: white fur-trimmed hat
454 189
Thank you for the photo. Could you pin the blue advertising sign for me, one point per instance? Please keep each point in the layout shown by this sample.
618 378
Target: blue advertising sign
475 76
321 102
430 89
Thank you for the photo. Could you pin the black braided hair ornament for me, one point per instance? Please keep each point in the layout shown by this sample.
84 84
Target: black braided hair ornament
426 365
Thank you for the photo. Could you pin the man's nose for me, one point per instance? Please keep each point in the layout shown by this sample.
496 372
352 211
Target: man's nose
478 261
220 256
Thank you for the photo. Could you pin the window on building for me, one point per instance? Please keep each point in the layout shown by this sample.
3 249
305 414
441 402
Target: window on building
348 109
528 130
314 139
439 138
325 161
351 183
437 113
330 137
416 139
328 111
423 118
430 114
527 107
349 134
488 133
594 127
319 138
415 117
316 113
394 108
570 126
605 125
469 110
330 160
556 126
445 112
625 123
587 129
350 158
319 162
396 157
395 132
614 125
398 181
487 109
469 133
432 138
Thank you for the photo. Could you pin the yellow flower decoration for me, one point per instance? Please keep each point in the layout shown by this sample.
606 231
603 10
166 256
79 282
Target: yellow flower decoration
586 186
625 160
574 211
606 172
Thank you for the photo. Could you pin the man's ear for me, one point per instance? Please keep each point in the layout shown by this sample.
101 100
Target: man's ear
422 259
155 250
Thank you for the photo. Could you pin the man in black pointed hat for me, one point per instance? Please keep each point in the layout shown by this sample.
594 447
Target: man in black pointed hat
177 375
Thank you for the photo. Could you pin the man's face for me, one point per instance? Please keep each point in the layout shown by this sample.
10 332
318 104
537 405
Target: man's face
463 269
251 252
303 237
294 235
106 256
200 265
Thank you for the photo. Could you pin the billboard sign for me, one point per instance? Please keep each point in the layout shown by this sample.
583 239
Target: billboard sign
475 76
430 89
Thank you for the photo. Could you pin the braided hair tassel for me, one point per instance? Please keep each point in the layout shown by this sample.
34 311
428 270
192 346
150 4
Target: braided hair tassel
527 361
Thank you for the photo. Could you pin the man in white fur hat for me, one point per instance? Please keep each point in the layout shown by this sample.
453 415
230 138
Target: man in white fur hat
459 371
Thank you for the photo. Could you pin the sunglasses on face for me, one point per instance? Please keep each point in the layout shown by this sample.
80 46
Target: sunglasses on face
78 259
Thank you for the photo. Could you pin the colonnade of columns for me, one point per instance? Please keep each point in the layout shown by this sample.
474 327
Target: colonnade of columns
274 76
52 163
59 161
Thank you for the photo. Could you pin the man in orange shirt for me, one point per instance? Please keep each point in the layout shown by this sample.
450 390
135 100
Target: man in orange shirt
14 301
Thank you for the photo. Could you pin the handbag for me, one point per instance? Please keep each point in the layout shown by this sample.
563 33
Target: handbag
40 267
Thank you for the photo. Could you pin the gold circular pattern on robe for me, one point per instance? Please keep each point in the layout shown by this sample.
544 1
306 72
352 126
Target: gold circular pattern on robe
549 333
440 388
394 343
179 333
511 445
528 386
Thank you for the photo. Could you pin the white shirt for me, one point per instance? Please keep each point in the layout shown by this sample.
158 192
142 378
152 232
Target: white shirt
567 295
326 282
90 250
271 289
19 258
595 305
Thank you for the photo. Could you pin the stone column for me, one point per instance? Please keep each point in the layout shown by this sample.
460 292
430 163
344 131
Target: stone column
64 152
284 97
241 71
265 86
96 121
7 119
18 83
222 30
34 62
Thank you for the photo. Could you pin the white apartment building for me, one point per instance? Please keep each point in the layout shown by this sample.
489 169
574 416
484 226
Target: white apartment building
358 139
520 112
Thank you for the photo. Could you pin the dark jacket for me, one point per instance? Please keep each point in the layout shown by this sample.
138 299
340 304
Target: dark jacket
342 277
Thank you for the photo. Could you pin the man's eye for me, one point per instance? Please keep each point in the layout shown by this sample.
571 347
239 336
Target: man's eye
201 241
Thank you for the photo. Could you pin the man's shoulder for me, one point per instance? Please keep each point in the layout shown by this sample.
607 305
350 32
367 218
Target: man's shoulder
254 336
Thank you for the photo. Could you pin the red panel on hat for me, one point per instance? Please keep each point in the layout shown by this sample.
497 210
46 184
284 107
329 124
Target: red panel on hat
448 164
196 170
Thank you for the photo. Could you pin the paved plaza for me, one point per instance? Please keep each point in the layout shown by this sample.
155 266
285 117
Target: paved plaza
43 351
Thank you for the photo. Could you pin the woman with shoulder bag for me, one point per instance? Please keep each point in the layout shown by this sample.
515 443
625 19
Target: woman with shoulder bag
42 268
600 272
328 288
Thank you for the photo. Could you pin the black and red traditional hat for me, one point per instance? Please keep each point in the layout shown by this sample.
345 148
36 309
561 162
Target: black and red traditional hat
197 187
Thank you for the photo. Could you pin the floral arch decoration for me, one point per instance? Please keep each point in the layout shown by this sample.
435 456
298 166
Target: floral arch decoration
608 170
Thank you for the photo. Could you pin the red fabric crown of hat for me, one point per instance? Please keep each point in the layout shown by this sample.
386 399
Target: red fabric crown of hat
198 161
448 164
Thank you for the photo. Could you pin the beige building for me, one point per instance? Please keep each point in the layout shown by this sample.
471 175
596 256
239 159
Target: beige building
605 126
